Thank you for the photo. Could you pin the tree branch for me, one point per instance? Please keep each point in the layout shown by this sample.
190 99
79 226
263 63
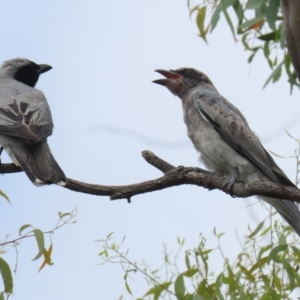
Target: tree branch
291 19
173 177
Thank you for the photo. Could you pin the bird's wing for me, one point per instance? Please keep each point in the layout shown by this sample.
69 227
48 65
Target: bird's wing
26 116
233 128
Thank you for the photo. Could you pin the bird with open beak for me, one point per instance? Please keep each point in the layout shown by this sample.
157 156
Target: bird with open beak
223 137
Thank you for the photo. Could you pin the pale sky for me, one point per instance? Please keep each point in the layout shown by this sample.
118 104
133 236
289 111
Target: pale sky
103 55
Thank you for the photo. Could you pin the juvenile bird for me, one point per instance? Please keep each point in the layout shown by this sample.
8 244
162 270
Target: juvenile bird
26 122
223 137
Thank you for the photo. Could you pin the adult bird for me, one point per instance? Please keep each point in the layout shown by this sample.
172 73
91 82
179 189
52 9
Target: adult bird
223 137
26 122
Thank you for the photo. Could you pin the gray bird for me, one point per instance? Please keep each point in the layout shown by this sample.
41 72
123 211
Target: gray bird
26 122
223 137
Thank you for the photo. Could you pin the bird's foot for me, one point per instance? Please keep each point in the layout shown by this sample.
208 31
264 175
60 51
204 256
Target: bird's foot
219 174
185 170
232 180
228 186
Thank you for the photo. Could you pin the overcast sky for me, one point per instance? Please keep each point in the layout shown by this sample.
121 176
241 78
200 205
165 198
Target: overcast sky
106 111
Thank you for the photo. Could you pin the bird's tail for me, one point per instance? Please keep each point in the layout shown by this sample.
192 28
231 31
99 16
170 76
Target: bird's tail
288 210
37 161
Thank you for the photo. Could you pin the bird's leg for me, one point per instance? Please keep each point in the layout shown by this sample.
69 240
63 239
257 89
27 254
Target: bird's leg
233 179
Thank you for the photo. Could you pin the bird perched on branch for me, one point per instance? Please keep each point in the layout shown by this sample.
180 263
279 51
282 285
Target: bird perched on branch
223 137
26 122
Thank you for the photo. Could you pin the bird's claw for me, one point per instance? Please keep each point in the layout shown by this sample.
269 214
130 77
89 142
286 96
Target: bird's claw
185 170
228 186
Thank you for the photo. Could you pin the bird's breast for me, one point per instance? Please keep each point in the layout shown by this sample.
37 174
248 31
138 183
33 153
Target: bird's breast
216 154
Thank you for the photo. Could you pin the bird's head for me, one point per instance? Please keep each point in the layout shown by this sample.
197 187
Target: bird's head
24 70
180 81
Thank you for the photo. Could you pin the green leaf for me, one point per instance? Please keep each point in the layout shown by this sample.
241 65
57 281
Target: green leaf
254 4
257 229
110 234
187 260
39 237
276 70
128 288
238 11
265 231
259 264
158 289
282 37
282 240
247 273
103 253
227 17
277 75
296 252
251 22
190 272
222 7
267 54
262 251
218 285
1 296
4 196
250 58
275 251
271 13
194 9
200 22
24 227
232 280
63 215
227 3
244 41
216 17
201 289
292 276
6 276
287 64
271 36
179 287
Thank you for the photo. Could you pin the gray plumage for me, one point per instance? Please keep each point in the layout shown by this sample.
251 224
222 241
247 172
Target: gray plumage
26 121
223 137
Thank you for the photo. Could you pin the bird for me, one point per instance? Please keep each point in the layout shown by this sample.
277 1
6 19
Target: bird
222 136
26 121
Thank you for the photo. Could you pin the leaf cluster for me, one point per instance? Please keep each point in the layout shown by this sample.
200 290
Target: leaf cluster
28 231
264 269
259 26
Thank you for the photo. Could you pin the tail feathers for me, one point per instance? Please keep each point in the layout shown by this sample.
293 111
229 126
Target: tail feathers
38 162
288 210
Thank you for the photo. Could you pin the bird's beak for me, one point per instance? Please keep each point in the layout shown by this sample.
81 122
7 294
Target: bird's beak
44 68
168 74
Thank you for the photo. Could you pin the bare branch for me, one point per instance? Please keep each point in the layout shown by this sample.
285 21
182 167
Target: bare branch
173 177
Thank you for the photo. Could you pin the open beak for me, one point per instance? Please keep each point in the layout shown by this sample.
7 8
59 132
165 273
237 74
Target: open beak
168 74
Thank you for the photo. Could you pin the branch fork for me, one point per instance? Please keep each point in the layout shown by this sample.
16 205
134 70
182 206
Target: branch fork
174 176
